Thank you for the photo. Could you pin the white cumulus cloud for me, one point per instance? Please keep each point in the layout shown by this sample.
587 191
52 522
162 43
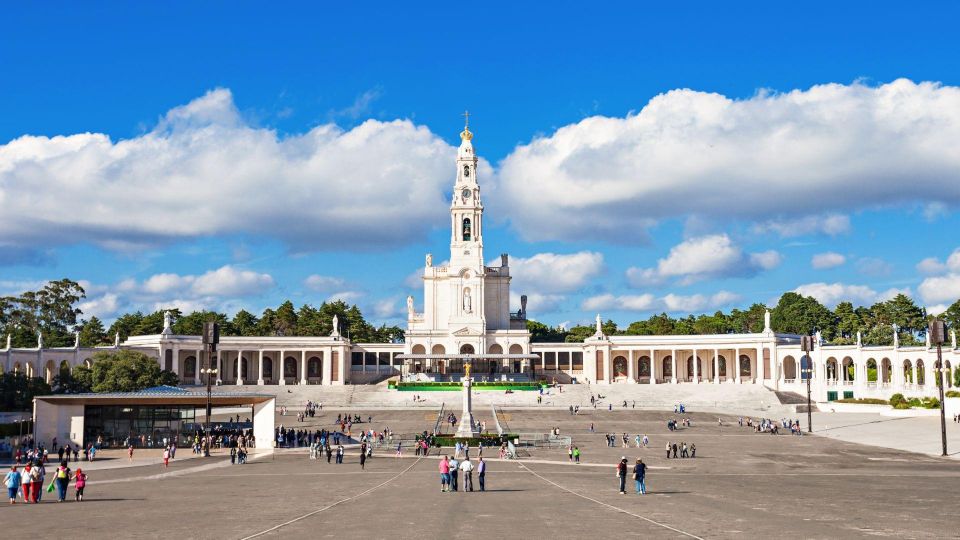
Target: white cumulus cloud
701 258
831 294
203 170
553 272
318 283
822 261
673 303
790 162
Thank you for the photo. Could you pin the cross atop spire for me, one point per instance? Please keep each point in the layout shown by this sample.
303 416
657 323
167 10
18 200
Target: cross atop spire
466 135
466 119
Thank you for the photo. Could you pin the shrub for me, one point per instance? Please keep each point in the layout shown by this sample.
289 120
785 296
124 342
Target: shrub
953 393
864 401
896 400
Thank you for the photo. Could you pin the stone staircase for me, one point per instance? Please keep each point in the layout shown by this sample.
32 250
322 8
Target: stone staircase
734 398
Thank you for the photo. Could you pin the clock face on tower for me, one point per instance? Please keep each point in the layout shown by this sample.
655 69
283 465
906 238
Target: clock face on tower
465 193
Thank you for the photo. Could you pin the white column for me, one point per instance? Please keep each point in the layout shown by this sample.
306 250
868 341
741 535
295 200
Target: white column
761 369
220 367
631 359
198 364
736 365
303 367
716 366
607 365
260 367
696 370
673 360
327 365
653 366
176 361
283 358
240 367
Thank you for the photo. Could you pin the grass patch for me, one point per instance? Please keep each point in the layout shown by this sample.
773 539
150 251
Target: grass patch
452 386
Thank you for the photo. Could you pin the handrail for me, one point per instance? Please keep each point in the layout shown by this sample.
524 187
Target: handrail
436 426
496 419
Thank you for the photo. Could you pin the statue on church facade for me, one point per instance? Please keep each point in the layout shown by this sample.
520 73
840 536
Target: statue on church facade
410 307
599 326
336 326
429 260
467 301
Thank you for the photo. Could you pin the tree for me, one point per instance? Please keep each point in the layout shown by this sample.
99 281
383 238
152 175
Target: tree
192 324
124 371
125 325
285 320
50 311
848 323
952 315
798 314
244 323
92 333
17 391
541 333
579 333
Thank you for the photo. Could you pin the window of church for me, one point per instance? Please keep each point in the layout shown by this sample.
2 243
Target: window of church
563 360
466 171
356 358
466 229
578 360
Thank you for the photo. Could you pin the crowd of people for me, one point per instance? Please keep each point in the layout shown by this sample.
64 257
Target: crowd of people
765 425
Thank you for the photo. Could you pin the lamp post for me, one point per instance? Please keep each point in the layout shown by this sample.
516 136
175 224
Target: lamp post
806 372
937 331
211 336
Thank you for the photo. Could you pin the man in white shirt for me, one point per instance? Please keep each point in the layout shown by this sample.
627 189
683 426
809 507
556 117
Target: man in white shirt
467 467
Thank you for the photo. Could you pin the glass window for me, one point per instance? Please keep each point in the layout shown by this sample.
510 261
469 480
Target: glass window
563 360
356 358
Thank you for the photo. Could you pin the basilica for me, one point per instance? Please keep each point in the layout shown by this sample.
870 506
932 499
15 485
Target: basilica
464 316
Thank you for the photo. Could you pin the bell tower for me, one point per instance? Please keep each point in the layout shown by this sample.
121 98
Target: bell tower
466 208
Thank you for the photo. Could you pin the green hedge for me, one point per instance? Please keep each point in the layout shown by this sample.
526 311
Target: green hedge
453 386
487 439
864 401
952 393
900 402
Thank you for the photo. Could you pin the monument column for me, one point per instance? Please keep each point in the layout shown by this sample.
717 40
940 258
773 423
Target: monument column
176 361
631 360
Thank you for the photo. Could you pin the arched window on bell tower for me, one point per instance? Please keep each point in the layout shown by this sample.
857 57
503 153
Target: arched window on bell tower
466 171
466 230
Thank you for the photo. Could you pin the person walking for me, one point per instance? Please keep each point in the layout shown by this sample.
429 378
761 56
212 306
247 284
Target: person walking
130 453
481 473
80 482
639 477
13 478
576 454
363 455
622 474
570 453
339 454
693 450
668 450
329 452
467 467
444 475
400 449
62 479
674 447
26 481
166 458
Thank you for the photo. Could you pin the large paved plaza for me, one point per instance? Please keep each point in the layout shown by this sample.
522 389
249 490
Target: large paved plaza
740 484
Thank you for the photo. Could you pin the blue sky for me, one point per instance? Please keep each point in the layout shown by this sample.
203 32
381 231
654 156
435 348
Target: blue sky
638 159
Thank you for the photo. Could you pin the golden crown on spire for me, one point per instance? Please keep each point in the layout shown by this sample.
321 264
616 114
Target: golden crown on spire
466 134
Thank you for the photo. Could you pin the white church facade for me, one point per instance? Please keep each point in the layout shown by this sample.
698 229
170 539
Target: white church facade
465 316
